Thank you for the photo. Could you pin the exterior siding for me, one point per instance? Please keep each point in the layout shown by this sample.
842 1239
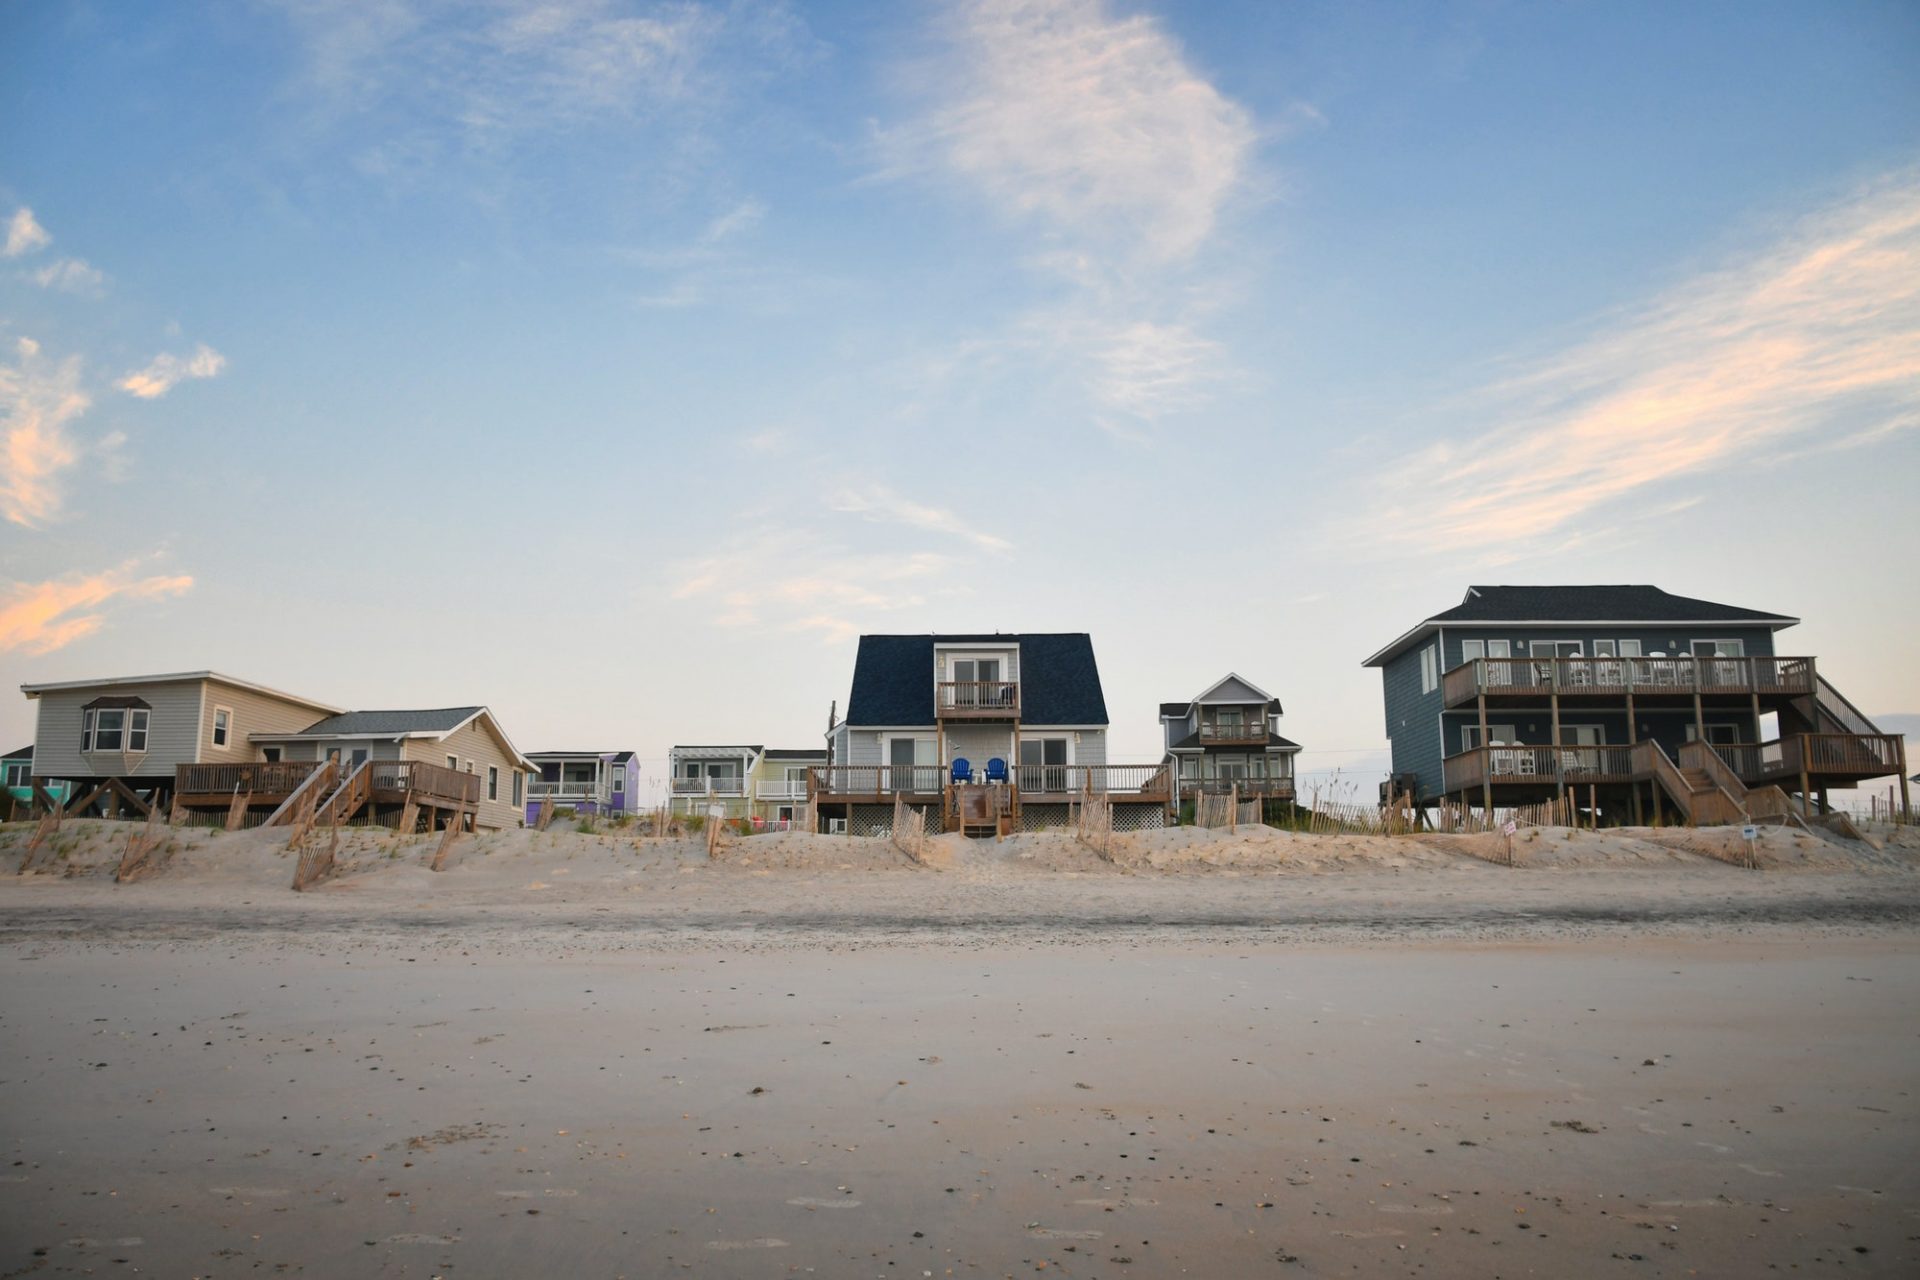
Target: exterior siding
472 742
979 743
252 713
171 732
180 727
1413 720
1232 691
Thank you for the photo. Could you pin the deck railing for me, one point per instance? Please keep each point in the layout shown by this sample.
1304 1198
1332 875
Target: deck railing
1575 677
1100 779
1280 787
1859 755
790 789
426 782
876 779
984 699
260 777
1530 763
728 786
576 788
1252 731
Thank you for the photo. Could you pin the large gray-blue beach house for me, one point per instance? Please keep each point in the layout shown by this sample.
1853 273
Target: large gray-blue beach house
1627 699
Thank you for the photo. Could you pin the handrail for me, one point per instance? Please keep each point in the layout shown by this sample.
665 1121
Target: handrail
1844 713
1698 755
988 697
1252 731
322 777
270 777
1609 675
876 779
348 796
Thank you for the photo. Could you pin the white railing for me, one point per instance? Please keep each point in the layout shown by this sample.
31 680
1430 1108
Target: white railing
793 790
574 790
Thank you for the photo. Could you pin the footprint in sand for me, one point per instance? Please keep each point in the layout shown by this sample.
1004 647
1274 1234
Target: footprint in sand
1714 1146
412 1237
120 1242
1763 1173
817 1202
1435 1210
764 1242
1056 1233
251 1193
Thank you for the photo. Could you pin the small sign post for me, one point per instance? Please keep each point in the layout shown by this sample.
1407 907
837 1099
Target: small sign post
1508 830
1750 833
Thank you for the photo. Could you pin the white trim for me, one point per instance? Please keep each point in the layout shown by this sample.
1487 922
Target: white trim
213 729
35 690
1201 697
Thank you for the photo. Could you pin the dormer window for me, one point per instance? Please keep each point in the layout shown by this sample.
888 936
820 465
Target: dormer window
114 724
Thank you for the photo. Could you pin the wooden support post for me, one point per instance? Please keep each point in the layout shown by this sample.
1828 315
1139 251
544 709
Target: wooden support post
1553 701
1906 801
123 792
237 811
1486 758
1653 789
79 804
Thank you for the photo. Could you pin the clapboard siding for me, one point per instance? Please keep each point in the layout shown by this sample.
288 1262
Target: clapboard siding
254 713
1413 720
475 741
171 732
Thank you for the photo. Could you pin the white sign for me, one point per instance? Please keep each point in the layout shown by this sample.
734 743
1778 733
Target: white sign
1749 832
1511 827
716 811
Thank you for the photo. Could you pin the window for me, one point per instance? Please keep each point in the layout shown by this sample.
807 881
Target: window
1470 735
1605 649
1583 735
1720 735
1629 648
453 762
19 773
1499 648
86 731
517 793
109 729
222 726
693 768
619 784
1719 649
1472 650
1429 669
493 783
270 754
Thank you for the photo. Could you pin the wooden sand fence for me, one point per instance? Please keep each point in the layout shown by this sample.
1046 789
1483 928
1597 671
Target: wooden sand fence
1093 821
317 861
909 830
447 840
146 841
43 831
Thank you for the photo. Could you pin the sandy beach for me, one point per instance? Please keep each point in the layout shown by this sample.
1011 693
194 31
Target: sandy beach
578 1055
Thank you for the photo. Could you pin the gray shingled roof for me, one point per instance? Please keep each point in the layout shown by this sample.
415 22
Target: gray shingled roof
437 720
1059 680
796 753
1594 604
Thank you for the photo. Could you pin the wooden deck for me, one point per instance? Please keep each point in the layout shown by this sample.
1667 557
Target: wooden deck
977 699
211 786
1507 678
1220 735
1832 759
1041 784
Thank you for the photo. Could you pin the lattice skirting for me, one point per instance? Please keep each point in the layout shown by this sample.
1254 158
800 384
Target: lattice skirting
1139 817
877 819
1044 817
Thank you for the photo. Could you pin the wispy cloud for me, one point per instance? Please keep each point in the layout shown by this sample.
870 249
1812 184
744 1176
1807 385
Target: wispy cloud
1095 132
503 68
39 398
167 370
71 275
743 217
1095 124
882 505
1818 331
24 234
39 617
805 582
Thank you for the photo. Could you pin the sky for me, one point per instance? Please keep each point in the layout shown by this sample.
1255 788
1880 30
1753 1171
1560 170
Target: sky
618 364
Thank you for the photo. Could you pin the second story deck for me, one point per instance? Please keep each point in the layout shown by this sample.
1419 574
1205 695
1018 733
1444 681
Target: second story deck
1054 782
1619 677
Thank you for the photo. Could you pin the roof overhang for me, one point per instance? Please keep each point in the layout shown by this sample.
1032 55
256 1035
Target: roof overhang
176 677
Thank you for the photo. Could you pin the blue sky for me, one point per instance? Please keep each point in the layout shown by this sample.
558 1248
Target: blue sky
616 364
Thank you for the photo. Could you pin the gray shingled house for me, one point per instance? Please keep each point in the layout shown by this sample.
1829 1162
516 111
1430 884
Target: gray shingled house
983 732
1628 698
1227 736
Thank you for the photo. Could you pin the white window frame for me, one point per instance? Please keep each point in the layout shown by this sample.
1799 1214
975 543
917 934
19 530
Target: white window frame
1499 648
119 731
271 754
86 731
1429 669
519 788
1606 648
619 783
1472 650
19 773
221 736
453 763
139 721
1599 734
1739 648
1736 740
1631 649
493 782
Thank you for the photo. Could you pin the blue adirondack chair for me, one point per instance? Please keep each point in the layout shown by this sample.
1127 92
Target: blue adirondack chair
962 770
996 770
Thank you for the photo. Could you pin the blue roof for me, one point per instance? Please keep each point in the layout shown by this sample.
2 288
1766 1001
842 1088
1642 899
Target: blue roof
1059 680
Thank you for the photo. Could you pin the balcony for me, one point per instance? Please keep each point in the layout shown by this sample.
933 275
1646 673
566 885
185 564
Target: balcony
1824 758
565 789
1618 677
264 782
216 784
1271 788
977 699
1233 733
791 789
727 786
1544 765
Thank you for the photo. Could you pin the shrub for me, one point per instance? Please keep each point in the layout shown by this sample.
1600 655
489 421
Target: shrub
695 823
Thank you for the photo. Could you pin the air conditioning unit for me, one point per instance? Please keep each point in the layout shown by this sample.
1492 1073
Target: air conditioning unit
836 826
